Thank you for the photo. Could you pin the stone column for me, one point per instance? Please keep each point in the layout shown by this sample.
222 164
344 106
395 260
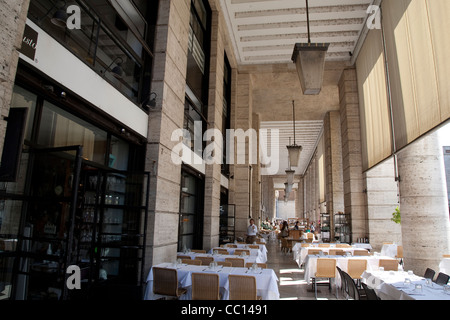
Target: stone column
299 198
211 221
169 83
382 199
13 15
423 204
354 197
243 172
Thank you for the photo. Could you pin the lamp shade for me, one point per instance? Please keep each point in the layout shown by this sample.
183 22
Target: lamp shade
290 176
309 59
288 188
294 154
59 18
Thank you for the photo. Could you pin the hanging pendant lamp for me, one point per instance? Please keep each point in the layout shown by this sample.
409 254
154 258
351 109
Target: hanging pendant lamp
309 59
294 149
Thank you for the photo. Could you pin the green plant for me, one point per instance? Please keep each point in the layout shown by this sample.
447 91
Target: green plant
396 217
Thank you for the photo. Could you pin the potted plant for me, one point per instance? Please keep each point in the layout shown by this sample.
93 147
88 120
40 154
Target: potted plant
396 217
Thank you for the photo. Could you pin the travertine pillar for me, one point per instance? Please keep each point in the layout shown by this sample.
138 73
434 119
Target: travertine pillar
211 220
13 15
334 192
423 204
169 83
354 197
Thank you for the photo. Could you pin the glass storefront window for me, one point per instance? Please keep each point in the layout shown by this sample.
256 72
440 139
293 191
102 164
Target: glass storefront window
118 157
61 129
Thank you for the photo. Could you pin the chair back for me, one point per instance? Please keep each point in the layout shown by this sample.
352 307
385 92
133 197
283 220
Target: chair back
314 251
342 245
192 262
205 260
295 233
198 251
324 245
221 251
399 252
336 252
231 245
305 245
361 252
388 264
310 235
165 281
242 287
183 257
446 256
352 289
224 263
236 262
442 279
356 267
238 252
326 268
253 246
260 265
429 274
205 286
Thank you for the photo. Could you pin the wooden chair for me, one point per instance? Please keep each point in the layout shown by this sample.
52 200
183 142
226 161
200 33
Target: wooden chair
324 245
388 264
286 246
399 254
231 245
192 262
361 253
314 251
221 251
355 269
238 252
295 234
336 252
198 251
205 286
253 246
342 245
236 262
183 257
326 268
260 242
446 256
205 260
224 263
165 282
242 287
305 245
260 265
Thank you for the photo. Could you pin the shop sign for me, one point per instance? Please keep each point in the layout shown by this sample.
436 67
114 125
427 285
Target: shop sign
29 42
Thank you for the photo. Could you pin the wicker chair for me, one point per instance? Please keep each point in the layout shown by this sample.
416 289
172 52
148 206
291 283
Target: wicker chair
238 252
224 263
205 260
165 282
242 287
192 262
388 265
336 252
355 269
361 253
205 286
236 262
221 251
326 268
198 251
260 265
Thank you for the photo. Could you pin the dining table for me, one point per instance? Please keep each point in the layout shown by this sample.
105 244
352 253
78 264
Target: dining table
404 285
300 253
310 265
266 280
260 254
221 257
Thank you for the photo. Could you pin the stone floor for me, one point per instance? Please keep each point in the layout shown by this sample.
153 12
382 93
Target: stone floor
292 285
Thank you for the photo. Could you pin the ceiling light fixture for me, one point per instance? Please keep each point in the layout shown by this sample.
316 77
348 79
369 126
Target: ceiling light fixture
294 150
309 59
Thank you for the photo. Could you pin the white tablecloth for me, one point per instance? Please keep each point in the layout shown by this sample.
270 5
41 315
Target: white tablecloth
266 280
389 285
222 257
389 250
444 266
260 254
341 262
300 253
